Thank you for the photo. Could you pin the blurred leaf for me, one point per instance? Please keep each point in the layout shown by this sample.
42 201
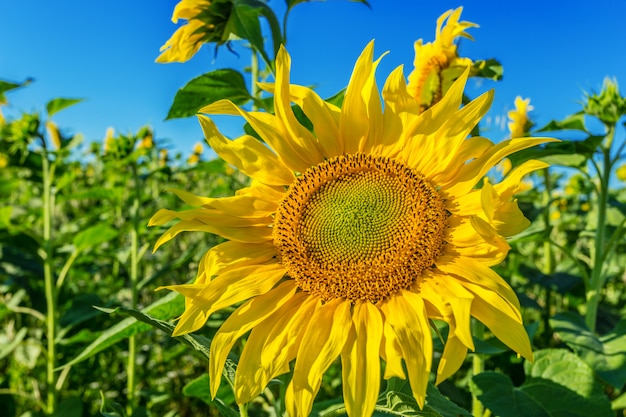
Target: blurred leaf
58 104
27 352
561 282
80 309
200 388
6 349
5 216
575 121
83 336
489 68
605 354
619 403
8 86
70 407
110 408
94 236
167 307
208 88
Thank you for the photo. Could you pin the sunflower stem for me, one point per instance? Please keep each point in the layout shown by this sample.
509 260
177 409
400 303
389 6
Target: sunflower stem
134 244
478 366
597 278
548 252
254 72
49 282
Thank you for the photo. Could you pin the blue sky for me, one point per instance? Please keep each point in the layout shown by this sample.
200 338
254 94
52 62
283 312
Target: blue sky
104 51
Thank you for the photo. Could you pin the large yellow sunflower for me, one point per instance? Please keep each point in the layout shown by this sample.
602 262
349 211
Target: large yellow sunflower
351 237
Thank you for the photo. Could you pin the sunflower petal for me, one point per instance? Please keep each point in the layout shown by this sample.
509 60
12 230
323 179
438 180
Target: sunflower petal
360 361
248 154
246 317
320 346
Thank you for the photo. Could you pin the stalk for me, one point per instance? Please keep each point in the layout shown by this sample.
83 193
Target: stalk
254 72
597 279
50 285
134 277
548 252
478 366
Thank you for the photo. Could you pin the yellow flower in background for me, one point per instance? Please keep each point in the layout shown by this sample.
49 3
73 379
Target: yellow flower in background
163 157
351 237
53 134
194 158
4 160
205 23
109 140
520 124
621 173
146 142
438 64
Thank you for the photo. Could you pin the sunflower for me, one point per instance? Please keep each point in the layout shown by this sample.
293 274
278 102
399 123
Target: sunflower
437 64
519 122
351 237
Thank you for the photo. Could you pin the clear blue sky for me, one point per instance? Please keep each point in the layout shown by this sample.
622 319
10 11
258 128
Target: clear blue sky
104 51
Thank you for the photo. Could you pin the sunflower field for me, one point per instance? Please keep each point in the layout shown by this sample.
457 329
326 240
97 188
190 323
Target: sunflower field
365 254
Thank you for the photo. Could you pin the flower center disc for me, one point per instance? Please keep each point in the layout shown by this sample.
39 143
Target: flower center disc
359 227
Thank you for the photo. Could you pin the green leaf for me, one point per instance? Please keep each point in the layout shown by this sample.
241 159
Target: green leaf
167 307
94 236
5 216
489 68
58 104
110 408
572 122
619 403
200 388
540 398
208 88
566 153
244 23
7 348
8 86
70 407
605 354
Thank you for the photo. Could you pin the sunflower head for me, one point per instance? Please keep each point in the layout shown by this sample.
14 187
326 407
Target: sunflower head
354 233
206 21
520 124
437 64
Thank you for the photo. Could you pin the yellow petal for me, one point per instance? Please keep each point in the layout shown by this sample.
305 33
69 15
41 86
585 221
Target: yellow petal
282 106
293 154
248 154
361 117
360 361
321 345
407 315
391 353
471 270
454 353
246 317
252 376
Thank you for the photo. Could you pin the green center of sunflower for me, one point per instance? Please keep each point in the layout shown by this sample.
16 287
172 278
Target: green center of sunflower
359 227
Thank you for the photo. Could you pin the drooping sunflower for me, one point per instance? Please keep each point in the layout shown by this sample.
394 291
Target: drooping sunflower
519 121
437 64
351 236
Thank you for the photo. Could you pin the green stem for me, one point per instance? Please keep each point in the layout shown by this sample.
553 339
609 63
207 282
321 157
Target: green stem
597 278
478 366
66 268
548 252
254 72
134 278
50 285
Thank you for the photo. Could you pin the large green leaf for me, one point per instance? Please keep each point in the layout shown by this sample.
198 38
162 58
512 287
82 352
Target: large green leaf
58 104
566 153
167 307
605 354
575 121
208 88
